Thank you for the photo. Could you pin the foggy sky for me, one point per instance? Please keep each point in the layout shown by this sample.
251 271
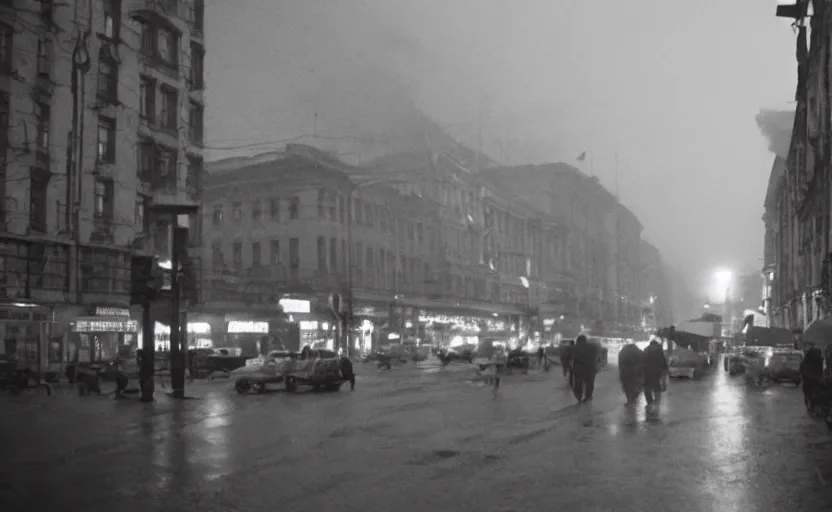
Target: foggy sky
673 87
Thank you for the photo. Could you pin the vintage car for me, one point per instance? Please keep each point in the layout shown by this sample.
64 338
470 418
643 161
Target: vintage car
208 363
258 373
319 368
464 354
684 363
518 359
784 366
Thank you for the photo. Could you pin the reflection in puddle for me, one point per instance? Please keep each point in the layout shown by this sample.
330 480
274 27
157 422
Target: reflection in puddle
213 440
727 443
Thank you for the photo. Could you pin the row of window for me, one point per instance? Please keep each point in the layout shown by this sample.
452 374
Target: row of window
259 211
166 116
373 267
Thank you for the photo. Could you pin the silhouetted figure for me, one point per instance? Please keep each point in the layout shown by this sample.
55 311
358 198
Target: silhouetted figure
630 372
655 370
347 371
811 373
584 368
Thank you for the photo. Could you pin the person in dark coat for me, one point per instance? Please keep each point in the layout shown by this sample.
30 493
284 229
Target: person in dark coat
811 374
655 368
630 372
347 371
584 368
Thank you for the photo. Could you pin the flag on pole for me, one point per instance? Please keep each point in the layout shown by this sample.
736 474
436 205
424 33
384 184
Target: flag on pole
582 157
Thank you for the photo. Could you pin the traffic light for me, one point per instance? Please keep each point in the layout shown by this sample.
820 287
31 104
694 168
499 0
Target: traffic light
146 279
188 283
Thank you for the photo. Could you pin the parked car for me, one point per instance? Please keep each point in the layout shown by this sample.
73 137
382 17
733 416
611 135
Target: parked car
262 372
784 366
320 369
685 363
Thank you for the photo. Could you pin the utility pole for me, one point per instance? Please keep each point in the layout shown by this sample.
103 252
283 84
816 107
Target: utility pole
179 238
75 170
177 361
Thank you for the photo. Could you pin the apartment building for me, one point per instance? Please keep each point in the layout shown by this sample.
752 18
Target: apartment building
101 116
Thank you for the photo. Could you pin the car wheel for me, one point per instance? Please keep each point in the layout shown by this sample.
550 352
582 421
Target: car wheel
261 388
242 386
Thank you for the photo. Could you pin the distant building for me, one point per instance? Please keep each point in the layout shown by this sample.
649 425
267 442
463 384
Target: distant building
659 298
601 285
303 225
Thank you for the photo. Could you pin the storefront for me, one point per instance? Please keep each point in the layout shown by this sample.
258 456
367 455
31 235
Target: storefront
29 337
108 335
199 336
460 330
315 323
251 337
367 327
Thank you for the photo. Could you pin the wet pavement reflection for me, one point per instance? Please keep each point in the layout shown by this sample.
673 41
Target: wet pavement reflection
421 441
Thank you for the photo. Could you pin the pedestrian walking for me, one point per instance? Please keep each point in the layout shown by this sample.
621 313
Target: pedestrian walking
811 375
655 368
630 372
347 371
584 367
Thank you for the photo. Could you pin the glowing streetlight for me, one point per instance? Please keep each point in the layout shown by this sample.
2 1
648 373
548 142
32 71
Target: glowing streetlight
723 278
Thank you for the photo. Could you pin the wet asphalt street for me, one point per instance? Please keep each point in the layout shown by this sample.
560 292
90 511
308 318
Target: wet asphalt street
418 440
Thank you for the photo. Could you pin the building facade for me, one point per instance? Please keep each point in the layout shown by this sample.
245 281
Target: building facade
797 205
101 114
628 231
658 302
423 247
599 279
417 260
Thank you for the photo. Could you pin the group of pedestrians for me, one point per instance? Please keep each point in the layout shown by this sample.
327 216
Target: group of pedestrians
639 371
643 372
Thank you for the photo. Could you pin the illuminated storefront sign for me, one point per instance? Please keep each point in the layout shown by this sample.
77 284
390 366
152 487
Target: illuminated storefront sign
94 325
308 325
295 306
247 327
464 322
111 311
193 328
